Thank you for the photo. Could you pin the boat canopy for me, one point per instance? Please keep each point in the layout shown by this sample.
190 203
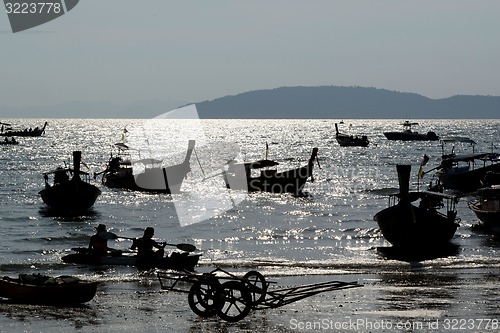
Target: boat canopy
493 157
461 139
407 123
65 170
415 195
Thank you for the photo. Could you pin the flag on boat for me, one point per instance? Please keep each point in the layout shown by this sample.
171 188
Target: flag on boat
424 161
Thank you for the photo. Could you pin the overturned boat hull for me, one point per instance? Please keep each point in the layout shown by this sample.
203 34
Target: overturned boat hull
51 291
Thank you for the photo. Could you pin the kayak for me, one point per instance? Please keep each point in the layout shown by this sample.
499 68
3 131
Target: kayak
176 261
42 289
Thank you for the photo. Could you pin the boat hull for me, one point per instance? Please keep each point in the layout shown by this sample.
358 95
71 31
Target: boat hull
291 181
488 212
64 293
346 141
156 179
402 136
239 177
161 180
410 226
466 181
176 261
73 196
26 132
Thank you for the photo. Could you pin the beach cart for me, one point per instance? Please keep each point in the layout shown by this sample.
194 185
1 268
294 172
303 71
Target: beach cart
231 297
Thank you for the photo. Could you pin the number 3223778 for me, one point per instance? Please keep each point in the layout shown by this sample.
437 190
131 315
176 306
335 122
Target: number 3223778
33 8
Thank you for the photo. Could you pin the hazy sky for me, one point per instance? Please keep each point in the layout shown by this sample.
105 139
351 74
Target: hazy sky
128 50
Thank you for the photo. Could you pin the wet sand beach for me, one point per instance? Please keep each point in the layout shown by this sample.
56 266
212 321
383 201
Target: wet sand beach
418 300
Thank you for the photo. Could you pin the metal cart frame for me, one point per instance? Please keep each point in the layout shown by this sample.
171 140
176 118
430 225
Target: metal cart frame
231 297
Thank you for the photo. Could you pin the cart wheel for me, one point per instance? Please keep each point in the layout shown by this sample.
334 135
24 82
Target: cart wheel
233 301
201 298
257 285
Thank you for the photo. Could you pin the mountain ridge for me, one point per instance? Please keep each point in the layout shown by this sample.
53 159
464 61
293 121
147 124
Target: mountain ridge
298 102
331 102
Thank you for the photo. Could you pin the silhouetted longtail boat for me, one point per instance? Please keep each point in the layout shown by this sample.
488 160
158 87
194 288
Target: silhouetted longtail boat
69 195
155 178
345 140
409 226
239 176
24 132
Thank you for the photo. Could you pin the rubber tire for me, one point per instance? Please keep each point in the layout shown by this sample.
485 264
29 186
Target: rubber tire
201 298
257 285
233 301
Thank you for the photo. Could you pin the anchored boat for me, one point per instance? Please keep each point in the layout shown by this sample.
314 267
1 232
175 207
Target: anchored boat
408 135
239 176
345 140
7 130
69 192
155 178
406 225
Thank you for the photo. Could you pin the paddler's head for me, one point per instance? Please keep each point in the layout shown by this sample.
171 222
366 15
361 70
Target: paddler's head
149 232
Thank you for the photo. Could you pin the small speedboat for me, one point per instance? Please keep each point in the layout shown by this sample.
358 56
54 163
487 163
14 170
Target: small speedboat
176 260
408 135
42 289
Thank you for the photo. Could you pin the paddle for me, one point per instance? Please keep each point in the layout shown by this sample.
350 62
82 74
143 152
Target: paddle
181 246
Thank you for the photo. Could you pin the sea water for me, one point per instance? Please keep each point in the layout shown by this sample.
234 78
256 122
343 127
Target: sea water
328 231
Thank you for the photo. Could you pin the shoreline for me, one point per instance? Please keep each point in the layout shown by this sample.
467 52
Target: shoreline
411 301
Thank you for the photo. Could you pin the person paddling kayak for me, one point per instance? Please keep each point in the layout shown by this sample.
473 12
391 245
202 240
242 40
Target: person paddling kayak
146 243
99 242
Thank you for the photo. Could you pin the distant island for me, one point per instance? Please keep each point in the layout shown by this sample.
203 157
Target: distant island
322 102
334 102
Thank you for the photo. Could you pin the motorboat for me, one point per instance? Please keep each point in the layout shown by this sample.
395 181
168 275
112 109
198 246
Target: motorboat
408 135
